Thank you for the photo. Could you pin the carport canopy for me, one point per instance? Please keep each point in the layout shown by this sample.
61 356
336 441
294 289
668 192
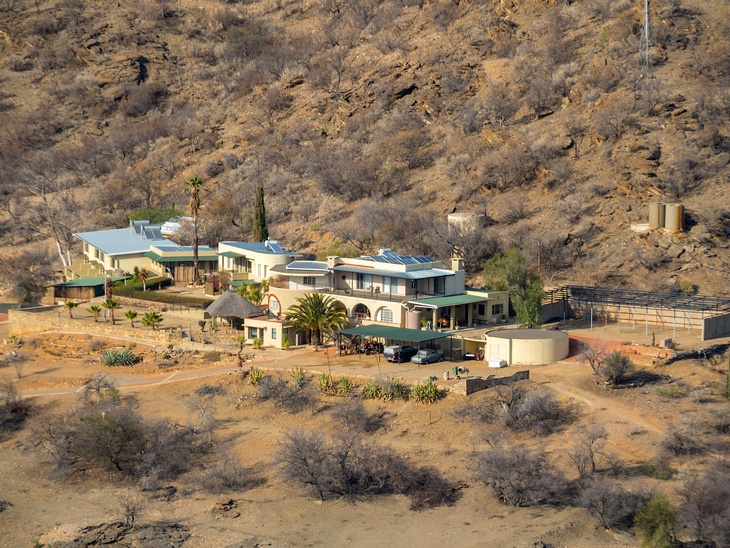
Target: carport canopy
394 333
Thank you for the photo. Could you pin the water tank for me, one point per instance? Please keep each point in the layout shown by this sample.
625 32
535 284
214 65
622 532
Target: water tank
657 212
413 319
674 218
466 221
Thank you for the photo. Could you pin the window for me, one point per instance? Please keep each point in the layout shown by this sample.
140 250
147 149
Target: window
253 332
497 309
439 285
259 271
480 310
386 284
273 333
414 286
364 281
274 305
310 280
385 315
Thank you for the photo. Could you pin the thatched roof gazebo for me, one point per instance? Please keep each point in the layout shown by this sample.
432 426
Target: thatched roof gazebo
232 305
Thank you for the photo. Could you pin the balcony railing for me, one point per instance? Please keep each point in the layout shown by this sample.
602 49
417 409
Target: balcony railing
379 295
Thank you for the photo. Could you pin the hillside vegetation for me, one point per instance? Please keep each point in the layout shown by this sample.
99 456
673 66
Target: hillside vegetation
369 121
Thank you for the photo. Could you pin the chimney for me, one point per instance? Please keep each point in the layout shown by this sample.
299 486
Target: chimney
457 263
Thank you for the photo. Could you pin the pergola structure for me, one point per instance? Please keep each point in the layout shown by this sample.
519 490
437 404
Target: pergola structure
652 308
386 334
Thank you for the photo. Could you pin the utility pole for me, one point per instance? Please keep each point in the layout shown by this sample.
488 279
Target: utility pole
644 60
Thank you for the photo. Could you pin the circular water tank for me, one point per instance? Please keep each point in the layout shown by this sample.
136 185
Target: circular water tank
656 215
466 221
674 219
413 319
527 346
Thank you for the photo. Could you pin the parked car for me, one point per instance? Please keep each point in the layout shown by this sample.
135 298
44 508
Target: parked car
399 353
428 356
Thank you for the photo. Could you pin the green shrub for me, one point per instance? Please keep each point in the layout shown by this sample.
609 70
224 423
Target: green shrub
258 342
427 392
299 379
285 342
657 470
345 386
324 383
114 358
672 391
656 522
394 389
256 376
372 390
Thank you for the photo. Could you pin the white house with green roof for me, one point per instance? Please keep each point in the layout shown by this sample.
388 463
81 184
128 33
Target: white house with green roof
252 260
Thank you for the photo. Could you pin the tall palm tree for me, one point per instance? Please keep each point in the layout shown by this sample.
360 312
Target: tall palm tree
194 184
317 313
95 311
142 274
70 305
152 319
131 315
111 305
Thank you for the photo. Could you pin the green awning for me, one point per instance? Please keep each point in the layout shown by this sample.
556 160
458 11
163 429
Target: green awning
395 333
91 281
451 300
178 258
231 254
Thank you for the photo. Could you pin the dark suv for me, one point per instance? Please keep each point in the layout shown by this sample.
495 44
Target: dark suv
399 353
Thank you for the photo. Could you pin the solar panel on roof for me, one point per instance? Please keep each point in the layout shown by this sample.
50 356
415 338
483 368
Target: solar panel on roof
275 247
153 233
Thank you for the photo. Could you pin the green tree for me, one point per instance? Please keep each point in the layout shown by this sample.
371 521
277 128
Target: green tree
657 522
95 311
194 185
131 315
616 367
260 230
511 271
317 313
152 319
111 305
70 305
254 293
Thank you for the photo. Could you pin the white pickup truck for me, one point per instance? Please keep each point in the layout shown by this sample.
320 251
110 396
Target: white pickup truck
428 356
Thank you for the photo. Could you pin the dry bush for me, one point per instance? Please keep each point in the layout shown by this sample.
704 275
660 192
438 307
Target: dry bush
705 506
348 466
589 444
616 367
228 473
287 396
610 503
519 476
682 439
354 417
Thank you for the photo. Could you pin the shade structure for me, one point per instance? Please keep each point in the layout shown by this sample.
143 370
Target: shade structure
232 305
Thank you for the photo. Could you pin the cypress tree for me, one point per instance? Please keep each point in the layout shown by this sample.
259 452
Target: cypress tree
260 230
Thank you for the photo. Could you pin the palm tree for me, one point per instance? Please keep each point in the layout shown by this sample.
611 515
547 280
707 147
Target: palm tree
70 305
95 310
317 313
152 319
111 305
142 274
131 315
254 293
194 184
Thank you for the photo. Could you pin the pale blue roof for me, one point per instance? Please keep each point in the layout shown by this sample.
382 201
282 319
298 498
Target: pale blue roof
123 241
270 247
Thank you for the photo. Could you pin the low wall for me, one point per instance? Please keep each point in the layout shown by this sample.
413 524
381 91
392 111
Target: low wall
716 327
470 385
27 322
555 310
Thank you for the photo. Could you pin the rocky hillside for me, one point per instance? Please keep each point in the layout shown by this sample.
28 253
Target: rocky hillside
368 121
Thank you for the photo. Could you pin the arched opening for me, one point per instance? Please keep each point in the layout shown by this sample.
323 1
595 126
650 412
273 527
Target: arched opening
384 315
361 312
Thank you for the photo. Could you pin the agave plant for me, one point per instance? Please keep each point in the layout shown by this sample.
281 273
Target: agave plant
114 358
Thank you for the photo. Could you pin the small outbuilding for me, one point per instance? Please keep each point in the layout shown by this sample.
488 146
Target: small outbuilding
527 346
232 307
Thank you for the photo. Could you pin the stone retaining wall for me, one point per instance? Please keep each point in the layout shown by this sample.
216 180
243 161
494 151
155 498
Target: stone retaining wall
26 322
475 384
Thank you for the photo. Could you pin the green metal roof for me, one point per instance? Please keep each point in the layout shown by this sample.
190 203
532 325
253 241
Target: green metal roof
451 300
231 254
244 282
178 258
91 281
394 333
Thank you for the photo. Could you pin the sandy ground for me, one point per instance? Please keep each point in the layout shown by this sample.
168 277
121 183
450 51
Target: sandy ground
278 514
